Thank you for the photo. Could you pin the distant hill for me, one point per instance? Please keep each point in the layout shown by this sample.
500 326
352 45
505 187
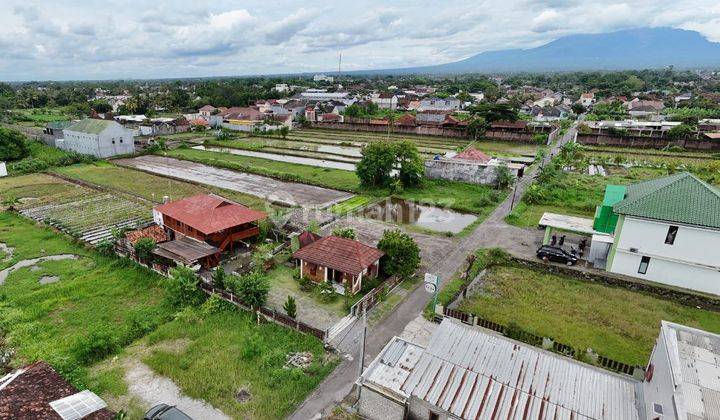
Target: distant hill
644 48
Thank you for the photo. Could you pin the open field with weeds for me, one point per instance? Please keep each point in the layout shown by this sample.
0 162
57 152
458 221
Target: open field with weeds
575 192
614 322
37 189
41 116
94 307
148 186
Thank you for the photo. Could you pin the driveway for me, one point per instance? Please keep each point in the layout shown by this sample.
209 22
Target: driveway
270 189
451 258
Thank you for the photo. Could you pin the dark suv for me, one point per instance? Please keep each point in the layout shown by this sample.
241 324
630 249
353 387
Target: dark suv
165 412
553 253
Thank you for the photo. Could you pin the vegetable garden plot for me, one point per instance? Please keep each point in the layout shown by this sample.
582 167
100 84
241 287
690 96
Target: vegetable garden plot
92 218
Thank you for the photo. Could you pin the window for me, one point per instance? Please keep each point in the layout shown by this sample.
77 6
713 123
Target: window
434 416
658 408
672 232
644 262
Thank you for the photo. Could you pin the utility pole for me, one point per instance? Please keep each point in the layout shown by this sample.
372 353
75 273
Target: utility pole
362 348
512 202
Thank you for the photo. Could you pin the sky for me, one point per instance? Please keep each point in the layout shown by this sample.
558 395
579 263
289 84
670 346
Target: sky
88 39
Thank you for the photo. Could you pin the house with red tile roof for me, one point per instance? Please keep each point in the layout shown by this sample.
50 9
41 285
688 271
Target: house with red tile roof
206 220
37 391
473 155
339 261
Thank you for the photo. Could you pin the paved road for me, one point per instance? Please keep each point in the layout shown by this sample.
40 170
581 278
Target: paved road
273 190
492 232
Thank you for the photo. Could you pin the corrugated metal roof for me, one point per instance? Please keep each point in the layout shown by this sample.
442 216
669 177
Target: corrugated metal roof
695 360
474 374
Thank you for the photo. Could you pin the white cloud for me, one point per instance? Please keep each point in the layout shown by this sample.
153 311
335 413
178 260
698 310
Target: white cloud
77 39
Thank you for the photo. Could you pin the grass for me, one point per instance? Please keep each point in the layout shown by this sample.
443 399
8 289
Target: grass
41 116
312 175
42 156
351 204
281 279
148 186
98 305
37 189
614 322
574 193
228 352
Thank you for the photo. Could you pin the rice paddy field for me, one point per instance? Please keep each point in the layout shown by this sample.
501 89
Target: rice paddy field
327 147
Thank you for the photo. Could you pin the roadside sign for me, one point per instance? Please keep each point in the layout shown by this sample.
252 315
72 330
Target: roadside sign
431 278
430 287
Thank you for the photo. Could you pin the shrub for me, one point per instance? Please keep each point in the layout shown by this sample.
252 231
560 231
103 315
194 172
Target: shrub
95 346
290 307
105 247
344 232
144 247
305 284
540 138
218 278
182 287
12 145
503 176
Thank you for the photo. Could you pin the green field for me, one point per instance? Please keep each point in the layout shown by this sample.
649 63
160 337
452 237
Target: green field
471 198
37 189
98 305
41 116
148 186
42 157
614 322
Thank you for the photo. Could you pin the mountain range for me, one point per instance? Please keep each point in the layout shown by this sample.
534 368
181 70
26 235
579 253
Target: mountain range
643 48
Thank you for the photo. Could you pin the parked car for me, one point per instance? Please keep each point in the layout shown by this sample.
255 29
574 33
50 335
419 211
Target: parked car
553 253
166 412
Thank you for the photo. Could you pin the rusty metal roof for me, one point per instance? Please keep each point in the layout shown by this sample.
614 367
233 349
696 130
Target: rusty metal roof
471 374
695 365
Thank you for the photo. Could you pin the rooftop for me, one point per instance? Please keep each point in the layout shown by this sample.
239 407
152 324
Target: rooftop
154 232
695 365
472 374
209 213
680 198
185 249
473 154
340 254
90 126
28 392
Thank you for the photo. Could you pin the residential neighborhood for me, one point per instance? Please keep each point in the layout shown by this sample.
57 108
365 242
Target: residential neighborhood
344 215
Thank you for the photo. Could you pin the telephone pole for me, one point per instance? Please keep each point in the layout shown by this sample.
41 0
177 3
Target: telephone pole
362 348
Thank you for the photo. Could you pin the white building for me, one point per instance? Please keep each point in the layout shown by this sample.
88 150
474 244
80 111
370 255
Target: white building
587 99
385 100
323 78
682 380
100 138
439 104
668 232
545 102
282 87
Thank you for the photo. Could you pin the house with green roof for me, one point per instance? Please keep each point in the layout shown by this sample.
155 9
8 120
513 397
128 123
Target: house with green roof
100 138
668 231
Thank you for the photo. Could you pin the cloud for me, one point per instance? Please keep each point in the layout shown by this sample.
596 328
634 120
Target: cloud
175 38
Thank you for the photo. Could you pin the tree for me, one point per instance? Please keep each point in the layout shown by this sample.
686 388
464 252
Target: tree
101 106
680 132
290 307
476 127
494 112
411 166
252 289
143 248
182 287
503 176
578 108
344 232
284 130
402 254
375 167
13 145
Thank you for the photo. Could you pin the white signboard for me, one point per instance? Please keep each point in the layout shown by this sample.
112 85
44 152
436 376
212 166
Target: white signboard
430 282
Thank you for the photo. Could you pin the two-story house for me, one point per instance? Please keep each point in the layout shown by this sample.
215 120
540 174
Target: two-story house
668 231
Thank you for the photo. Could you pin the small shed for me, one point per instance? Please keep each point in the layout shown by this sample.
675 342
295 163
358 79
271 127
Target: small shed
189 252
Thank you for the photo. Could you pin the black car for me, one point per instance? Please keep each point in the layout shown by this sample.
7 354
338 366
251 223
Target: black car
166 412
553 253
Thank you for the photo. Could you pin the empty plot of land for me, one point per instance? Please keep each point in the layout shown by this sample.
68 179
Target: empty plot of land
288 193
433 248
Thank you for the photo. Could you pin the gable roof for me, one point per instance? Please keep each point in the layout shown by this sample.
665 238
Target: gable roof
27 393
472 154
680 198
209 213
91 126
307 237
340 254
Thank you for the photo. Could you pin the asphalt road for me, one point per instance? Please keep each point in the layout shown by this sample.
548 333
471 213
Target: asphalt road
492 232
